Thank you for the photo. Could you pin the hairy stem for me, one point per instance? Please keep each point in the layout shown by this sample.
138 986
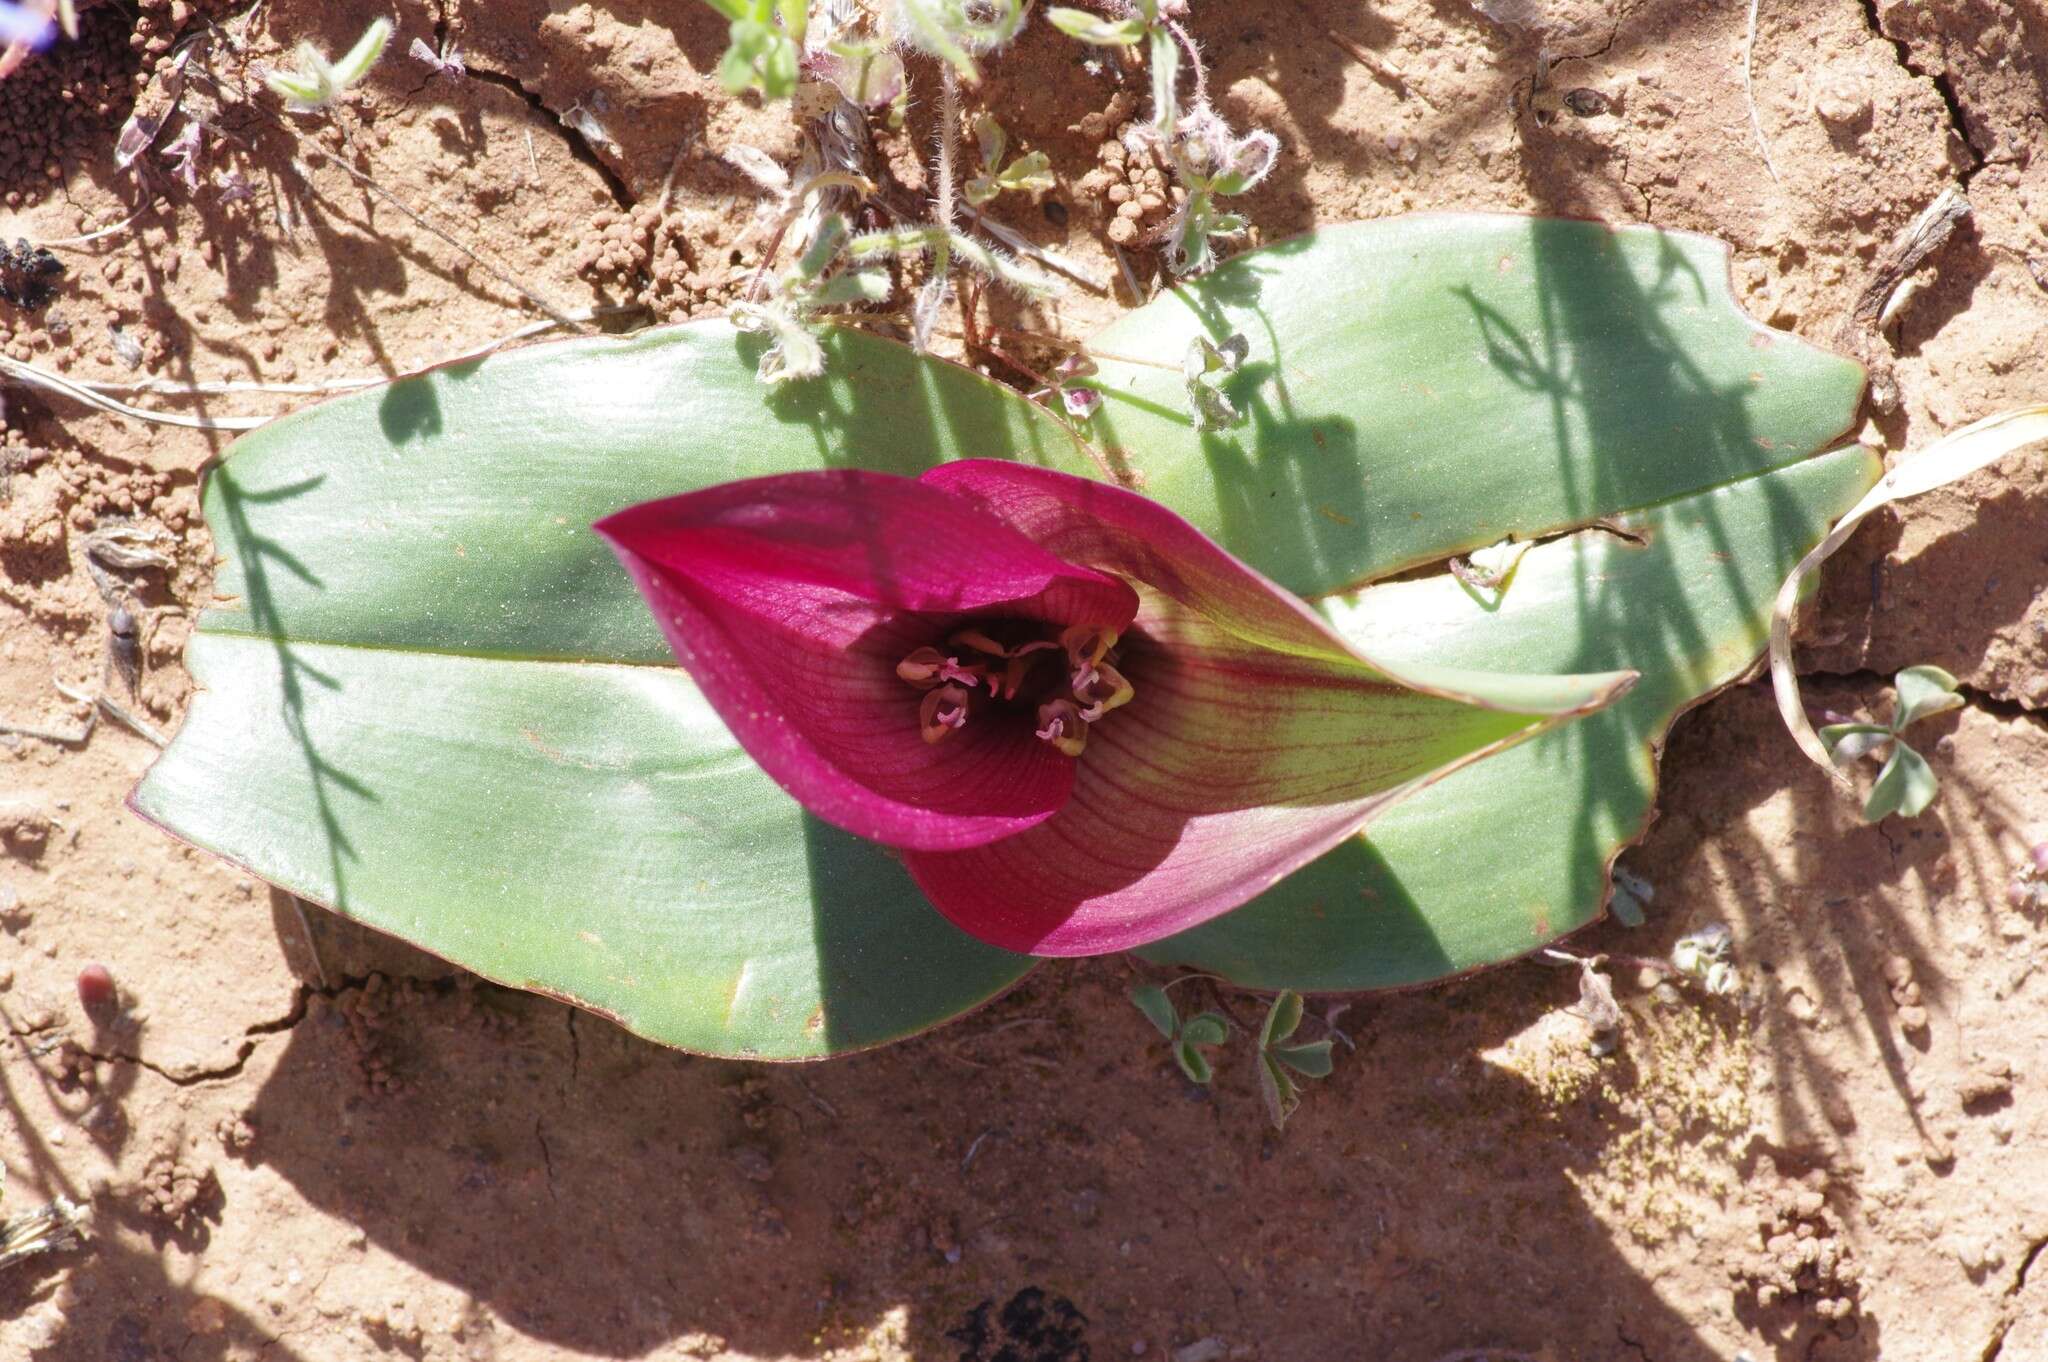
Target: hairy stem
1187 45
949 118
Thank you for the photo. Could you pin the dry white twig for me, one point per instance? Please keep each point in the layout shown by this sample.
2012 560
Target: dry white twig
1756 124
105 395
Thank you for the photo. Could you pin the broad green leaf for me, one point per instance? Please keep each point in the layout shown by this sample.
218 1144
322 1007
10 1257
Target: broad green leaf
1151 1000
1922 692
1906 786
1207 1028
1193 1063
451 513
588 831
1427 385
1495 860
433 701
430 540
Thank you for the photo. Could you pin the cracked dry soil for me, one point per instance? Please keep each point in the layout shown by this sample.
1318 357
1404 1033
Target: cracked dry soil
372 1155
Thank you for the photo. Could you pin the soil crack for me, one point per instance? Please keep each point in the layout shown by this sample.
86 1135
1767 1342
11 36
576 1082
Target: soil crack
251 1035
579 145
547 1157
1944 86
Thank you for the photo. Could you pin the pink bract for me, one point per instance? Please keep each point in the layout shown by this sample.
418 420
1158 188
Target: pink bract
906 656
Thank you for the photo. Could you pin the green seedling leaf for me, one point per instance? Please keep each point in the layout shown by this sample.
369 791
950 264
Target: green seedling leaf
1029 173
990 140
1162 54
1251 158
1206 1028
1312 1060
1282 1095
1923 692
1151 1000
1093 28
1205 368
764 46
318 82
849 288
1282 1018
952 30
794 352
1906 786
1838 739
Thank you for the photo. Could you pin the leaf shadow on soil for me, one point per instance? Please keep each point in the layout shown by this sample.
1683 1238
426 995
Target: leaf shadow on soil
597 1192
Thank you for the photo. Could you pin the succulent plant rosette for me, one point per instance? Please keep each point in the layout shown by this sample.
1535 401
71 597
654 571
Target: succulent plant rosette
1320 635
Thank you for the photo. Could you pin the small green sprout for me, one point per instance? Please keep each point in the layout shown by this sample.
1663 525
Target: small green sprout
1094 29
1907 784
1212 163
1703 957
764 47
318 82
809 288
1031 172
955 31
1206 368
1190 1039
1281 1064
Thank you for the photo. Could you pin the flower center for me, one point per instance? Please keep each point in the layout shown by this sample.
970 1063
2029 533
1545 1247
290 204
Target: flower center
1069 678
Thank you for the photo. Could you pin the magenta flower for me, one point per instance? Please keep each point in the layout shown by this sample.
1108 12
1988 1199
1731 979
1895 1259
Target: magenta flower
1084 725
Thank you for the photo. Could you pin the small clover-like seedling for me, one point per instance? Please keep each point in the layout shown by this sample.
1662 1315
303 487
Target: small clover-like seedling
1206 368
1283 1063
1212 163
1907 784
1704 957
764 45
1031 172
318 82
1192 1039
